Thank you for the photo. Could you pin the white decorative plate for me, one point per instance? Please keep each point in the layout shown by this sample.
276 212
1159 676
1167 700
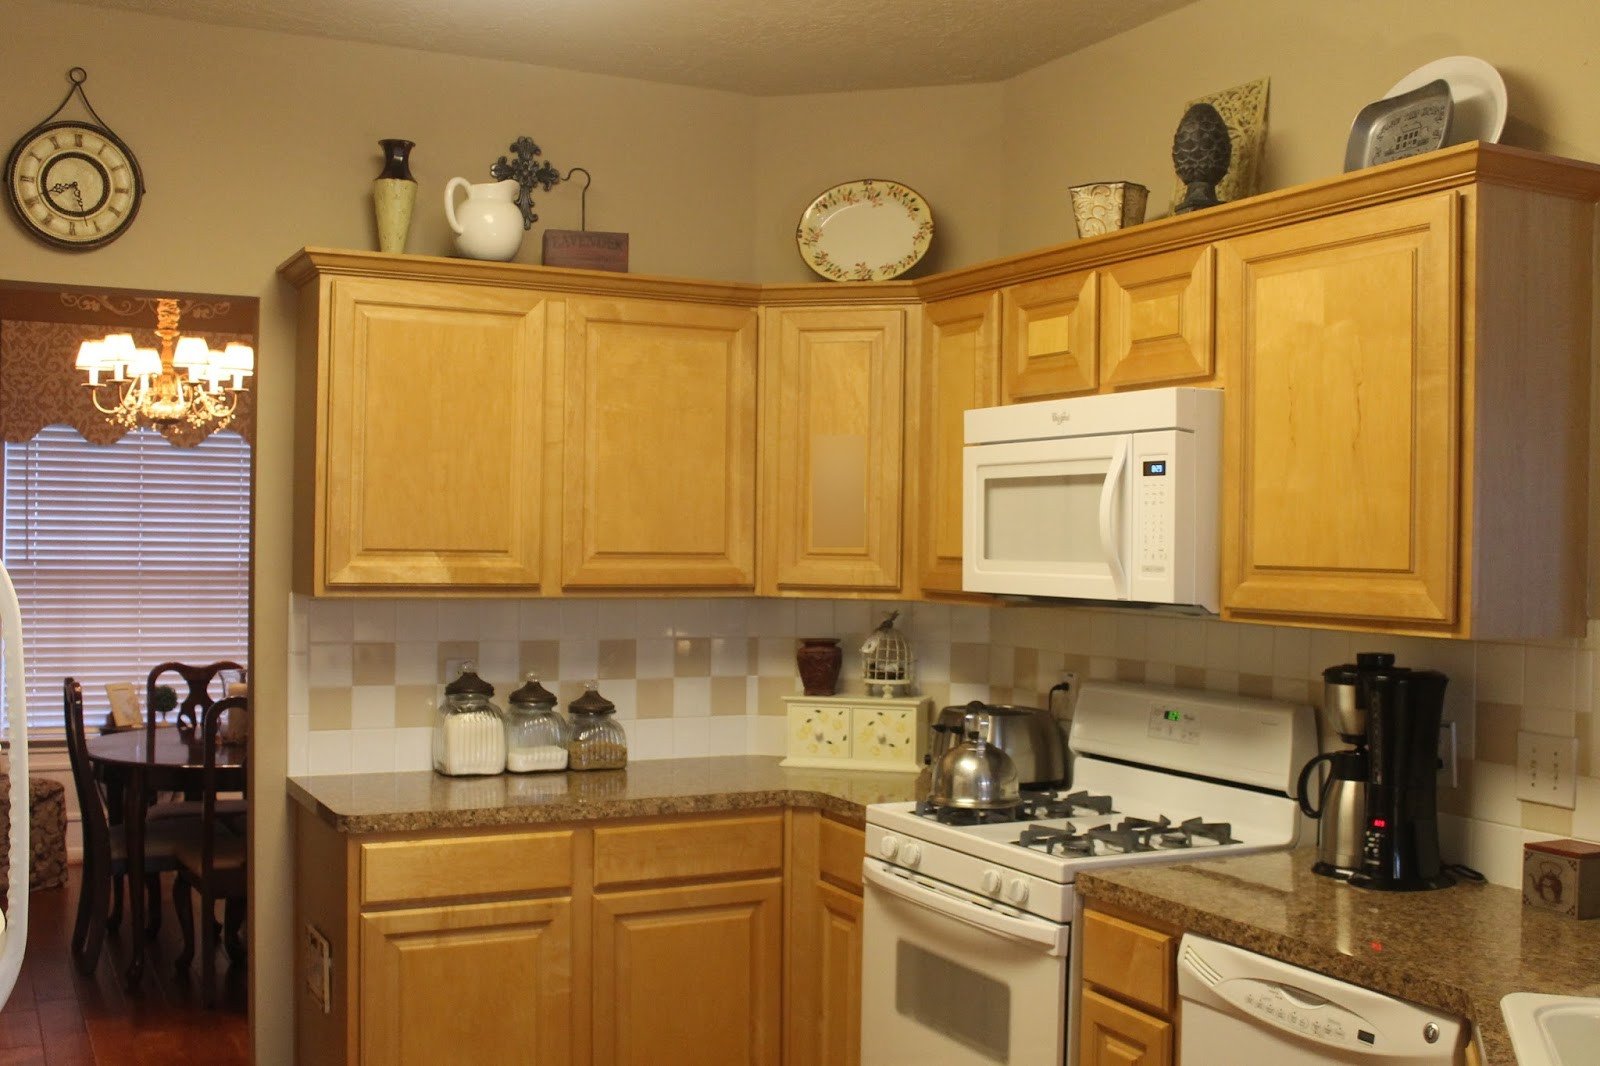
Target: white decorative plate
867 230
1477 96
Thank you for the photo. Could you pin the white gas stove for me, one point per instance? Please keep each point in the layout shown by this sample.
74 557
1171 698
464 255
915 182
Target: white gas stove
974 911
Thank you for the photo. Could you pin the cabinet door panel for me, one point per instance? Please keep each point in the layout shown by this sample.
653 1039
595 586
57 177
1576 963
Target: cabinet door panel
1048 346
485 983
1340 347
659 464
1116 1035
1156 317
838 1021
833 433
959 371
399 461
690 975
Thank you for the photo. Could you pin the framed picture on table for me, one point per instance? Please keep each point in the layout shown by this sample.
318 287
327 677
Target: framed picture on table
124 699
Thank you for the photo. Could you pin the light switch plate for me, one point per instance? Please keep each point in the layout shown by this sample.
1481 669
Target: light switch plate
319 969
1545 767
1447 755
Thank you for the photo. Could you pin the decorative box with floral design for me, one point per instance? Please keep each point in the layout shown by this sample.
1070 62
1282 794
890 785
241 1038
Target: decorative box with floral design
858 732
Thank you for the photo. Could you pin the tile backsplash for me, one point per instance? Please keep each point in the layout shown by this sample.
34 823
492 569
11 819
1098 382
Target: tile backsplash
706 677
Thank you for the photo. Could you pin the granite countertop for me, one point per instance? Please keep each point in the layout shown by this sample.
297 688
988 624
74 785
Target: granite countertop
1459 949
420 800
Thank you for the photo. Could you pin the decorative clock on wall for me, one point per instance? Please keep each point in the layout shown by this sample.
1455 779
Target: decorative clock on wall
74 184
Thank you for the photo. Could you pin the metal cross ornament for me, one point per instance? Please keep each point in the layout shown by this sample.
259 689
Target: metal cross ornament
527 171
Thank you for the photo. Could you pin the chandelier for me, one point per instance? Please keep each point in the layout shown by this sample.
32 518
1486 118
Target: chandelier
185 381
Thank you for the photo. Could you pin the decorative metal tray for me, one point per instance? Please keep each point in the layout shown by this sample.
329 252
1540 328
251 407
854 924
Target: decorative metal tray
1399 126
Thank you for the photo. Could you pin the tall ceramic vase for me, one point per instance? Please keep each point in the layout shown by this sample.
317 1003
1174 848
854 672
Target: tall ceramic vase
819 659
393 195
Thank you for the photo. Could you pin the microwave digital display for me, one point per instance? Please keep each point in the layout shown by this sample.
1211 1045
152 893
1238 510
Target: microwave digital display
1155 468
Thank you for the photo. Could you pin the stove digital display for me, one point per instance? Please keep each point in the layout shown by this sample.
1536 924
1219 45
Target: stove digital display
1172 716
1155 468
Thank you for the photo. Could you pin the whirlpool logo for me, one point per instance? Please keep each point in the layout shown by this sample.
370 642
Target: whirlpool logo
1061 418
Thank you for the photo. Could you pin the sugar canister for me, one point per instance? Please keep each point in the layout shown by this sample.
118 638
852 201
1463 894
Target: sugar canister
536 734
469 735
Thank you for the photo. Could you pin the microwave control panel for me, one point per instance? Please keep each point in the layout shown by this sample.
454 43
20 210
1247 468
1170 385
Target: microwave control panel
1155 502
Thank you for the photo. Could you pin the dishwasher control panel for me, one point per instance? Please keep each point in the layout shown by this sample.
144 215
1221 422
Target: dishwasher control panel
1320 1021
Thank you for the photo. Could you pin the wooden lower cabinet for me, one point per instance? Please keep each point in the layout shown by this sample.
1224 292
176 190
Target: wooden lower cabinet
1114 1034
466 983
823 1001
689 975
1130 991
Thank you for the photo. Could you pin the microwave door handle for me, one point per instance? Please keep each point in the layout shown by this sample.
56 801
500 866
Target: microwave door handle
1110 541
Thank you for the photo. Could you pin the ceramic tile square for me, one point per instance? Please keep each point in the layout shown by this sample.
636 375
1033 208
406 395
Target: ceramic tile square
651 740
1493 796
1222 646
459 620
299 740
416 620
452 653
329 664
580 620
727 736
299 679
771 690
567 691
539 619
969 663
1131 671
1291 690
1160 674
1586 815
767 736
1495 728
1543 818
814 618
1291 653
1159 639
772 618
1077 631
579 659
499 620
691 697
413 749
729 696
1130 637
1256 685
1586 758
931 622
1025 667
1002 665
1550 677
961 694
854 619
372 707
1548 721
937 691
728 617
730 656
416 663
654 697
616 658
371 751
497 664
1256 649
691 657
933 662
969 623
415 705
328 752
299 623
1222 681
775 656
1188 642
654 657
331 621
624 693
691 737
1332 647
1102 668
373 621
541 657
373 664
690 618
616 619
1585 695
1189 677
1498 673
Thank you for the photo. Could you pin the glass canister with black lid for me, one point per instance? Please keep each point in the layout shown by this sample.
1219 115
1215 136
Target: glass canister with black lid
598 741
536 734
469 734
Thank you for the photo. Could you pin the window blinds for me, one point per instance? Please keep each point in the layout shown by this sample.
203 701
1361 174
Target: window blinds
124 556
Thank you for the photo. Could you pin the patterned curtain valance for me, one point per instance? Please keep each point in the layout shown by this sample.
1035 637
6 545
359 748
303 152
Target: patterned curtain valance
40 331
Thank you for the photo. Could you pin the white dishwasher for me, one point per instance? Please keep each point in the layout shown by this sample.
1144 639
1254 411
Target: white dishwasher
1239 1007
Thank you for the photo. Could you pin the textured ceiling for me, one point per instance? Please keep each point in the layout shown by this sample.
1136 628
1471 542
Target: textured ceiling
758 47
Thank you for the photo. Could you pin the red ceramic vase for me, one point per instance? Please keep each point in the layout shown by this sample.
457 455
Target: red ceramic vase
819 659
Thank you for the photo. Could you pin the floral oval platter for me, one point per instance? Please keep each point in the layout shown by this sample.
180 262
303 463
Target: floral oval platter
867 230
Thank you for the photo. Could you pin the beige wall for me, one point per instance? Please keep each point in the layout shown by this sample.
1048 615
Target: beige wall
254 144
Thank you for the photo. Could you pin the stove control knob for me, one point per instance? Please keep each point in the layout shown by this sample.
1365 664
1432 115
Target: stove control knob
1017 890
990 882
910 853
888 846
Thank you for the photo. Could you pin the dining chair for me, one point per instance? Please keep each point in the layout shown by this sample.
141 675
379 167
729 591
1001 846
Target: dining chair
216 864
105 854
195 700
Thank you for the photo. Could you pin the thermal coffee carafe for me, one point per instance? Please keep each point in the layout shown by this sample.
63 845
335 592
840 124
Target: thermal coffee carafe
1342 808
1400 845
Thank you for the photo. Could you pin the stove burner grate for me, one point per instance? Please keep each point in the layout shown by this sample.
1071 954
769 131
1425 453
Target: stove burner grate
1069 840
965 815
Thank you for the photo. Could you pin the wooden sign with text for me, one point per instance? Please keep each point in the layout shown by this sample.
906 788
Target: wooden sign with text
586 249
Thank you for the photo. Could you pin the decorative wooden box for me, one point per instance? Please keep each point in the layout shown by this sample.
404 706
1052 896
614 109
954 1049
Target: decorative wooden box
1562 876
858 732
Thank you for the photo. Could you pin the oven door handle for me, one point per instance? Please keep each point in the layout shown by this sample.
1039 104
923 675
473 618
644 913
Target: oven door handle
1052 937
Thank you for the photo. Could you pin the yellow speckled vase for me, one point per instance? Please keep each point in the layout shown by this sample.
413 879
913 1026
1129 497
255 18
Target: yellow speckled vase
394 193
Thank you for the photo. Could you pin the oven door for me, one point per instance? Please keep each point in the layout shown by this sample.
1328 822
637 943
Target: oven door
946 980
1047 517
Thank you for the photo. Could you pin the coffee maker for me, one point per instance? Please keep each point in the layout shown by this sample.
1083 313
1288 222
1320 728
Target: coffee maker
1342 811
1400 841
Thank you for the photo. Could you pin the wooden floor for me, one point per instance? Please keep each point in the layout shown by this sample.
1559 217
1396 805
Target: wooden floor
58 1017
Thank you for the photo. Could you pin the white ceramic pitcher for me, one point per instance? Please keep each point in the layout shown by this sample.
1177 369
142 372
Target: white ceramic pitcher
488 224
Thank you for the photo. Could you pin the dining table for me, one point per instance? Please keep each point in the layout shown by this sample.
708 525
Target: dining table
169 758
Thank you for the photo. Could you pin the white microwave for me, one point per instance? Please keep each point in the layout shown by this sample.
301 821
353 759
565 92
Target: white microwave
1111 498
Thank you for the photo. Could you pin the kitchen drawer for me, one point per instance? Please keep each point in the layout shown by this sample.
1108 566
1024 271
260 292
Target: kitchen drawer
840 849
1135 962
497 864
740 846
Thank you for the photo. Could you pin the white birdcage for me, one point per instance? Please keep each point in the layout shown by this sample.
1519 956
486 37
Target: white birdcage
886 659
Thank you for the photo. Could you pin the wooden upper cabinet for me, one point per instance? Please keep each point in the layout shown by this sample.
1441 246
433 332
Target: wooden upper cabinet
429 430
1156 319
959 370
1339 343
1049 346
832 427
659 445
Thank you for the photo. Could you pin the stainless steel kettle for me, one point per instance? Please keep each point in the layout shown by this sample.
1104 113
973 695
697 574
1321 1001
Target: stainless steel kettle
1030 735
975 775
